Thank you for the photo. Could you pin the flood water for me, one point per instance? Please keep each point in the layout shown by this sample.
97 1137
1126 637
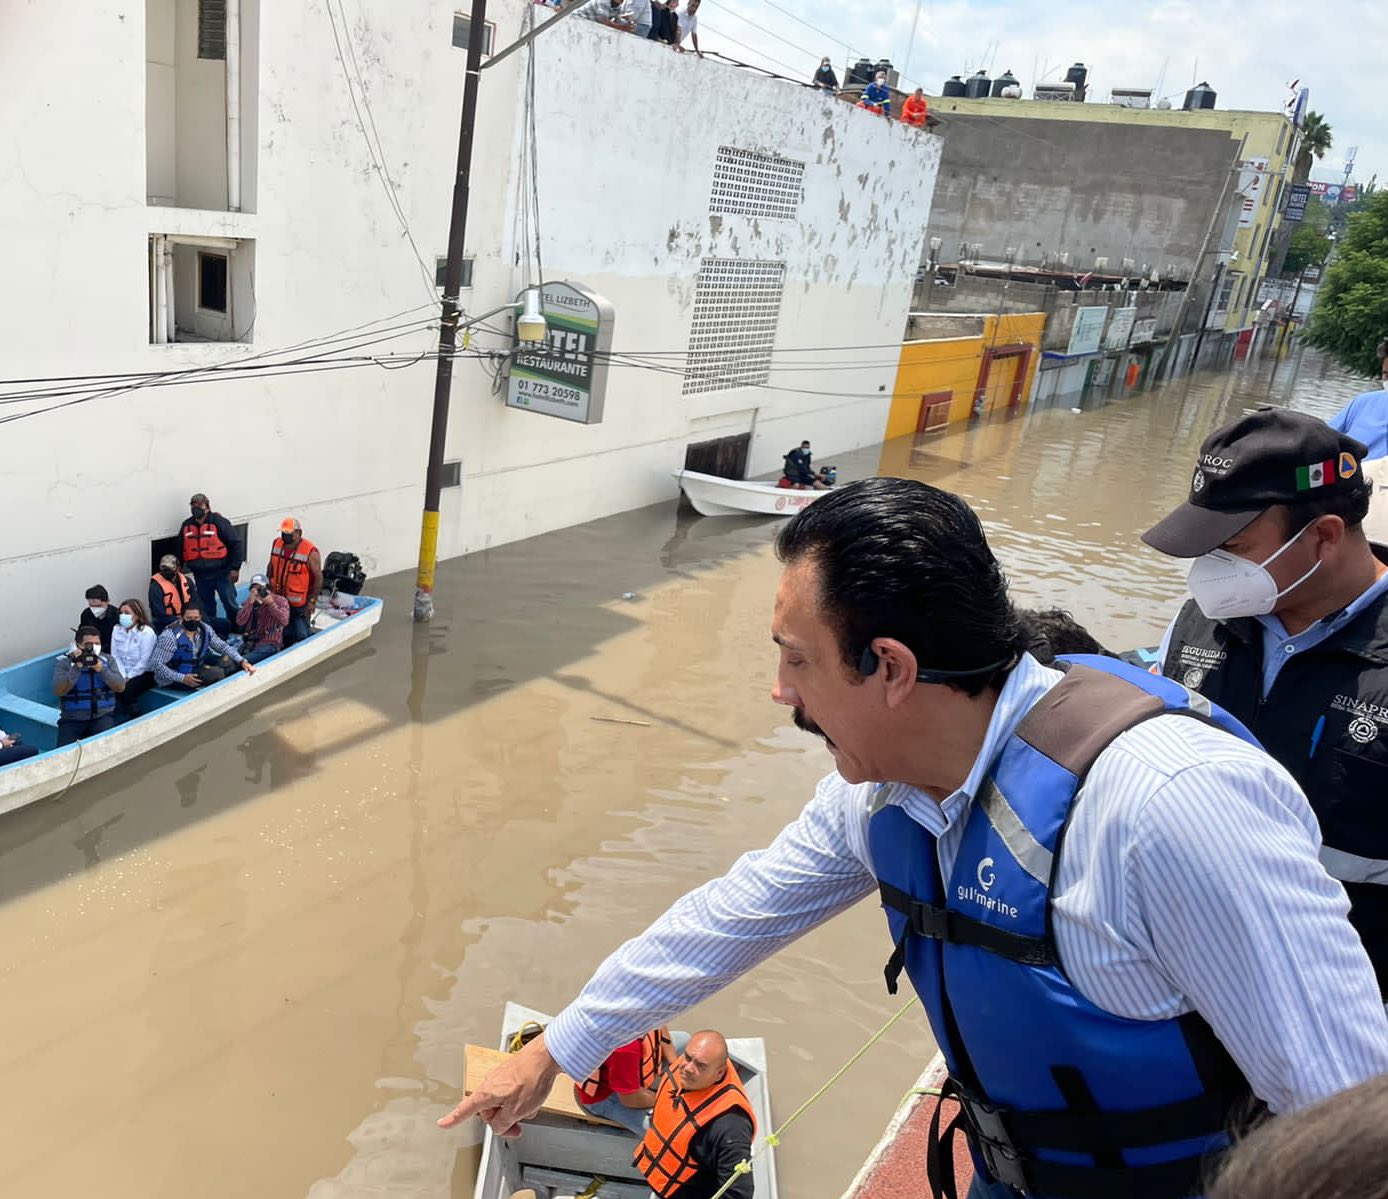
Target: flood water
248 964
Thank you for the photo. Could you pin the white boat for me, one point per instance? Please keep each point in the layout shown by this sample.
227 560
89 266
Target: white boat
557 1155
714 496
28 708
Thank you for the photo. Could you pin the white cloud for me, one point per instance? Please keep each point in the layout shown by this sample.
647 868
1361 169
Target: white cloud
1247 49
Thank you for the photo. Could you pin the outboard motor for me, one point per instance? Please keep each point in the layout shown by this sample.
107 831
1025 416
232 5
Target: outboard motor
343 572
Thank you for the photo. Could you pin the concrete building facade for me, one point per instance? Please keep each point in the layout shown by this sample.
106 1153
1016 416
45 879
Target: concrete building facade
1116 190
240 254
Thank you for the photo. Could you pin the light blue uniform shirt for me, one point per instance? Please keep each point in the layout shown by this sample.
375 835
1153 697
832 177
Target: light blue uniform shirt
1189 882
1365 418
1280 647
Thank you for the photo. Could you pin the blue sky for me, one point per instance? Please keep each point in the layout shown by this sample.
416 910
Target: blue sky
1248 51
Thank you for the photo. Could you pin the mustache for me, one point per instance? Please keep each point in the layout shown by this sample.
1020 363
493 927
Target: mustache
806 725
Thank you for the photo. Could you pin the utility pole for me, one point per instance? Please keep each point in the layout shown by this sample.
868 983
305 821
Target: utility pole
452 285
448 323
1199 262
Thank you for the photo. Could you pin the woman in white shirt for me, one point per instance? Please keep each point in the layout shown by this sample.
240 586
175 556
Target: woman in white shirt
132 643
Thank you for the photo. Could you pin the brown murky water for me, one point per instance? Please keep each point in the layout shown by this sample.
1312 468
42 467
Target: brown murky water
248 965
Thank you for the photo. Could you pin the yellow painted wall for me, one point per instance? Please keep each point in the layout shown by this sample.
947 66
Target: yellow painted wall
953 363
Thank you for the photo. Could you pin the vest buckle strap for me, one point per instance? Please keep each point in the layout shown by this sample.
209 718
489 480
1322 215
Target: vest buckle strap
988 1132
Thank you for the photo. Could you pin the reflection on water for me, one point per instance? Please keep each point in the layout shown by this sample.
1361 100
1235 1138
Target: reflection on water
248 964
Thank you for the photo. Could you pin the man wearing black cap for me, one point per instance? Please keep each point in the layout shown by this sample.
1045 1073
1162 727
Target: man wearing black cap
1288 628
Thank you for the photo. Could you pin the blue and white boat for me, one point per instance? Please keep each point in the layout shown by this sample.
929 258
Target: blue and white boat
29 709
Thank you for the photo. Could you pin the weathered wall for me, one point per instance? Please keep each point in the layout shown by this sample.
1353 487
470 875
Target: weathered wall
627 135
1046 187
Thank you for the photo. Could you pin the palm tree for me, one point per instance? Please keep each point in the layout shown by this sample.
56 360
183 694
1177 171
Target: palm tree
1316 139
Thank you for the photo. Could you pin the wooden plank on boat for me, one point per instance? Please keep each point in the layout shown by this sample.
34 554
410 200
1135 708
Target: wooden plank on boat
565 1182
479 1061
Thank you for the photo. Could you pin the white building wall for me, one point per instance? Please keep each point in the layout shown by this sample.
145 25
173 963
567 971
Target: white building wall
627 134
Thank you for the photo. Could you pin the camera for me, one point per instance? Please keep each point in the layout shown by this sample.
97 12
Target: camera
89 657
258 591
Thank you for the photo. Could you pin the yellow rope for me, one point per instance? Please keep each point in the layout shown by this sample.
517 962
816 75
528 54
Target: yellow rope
773 1139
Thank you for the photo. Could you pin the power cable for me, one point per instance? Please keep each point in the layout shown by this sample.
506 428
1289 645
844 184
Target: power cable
377 159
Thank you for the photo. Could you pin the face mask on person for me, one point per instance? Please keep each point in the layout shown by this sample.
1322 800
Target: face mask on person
199 513
1226 586
191 625
167 571
97 610
126 620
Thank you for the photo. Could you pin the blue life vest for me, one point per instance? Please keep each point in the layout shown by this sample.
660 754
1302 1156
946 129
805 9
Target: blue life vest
1059 1098
89 698
184 659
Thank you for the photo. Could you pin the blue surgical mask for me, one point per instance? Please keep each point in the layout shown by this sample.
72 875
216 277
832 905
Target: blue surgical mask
126 620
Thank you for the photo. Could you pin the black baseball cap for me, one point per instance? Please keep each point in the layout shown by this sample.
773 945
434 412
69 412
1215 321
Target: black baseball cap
1268 457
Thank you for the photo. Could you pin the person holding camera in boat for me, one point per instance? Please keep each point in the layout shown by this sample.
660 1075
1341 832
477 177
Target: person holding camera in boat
1107 897
261 621
86 681
188 654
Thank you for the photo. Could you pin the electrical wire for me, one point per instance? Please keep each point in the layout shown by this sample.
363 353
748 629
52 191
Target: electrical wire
376 151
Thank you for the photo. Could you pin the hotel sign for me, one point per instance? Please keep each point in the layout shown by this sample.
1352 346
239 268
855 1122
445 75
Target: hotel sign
566 375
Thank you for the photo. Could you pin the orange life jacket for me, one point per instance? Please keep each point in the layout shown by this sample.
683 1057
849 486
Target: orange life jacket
596 1087
176 591
202 542
665 1155
289 572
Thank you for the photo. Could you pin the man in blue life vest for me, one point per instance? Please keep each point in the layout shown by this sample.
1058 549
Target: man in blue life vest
1106 896
86 681
188 655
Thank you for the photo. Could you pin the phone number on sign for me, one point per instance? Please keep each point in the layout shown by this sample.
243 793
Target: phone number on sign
532 389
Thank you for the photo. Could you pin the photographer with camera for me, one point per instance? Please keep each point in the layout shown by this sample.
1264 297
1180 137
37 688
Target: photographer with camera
87 682
261 621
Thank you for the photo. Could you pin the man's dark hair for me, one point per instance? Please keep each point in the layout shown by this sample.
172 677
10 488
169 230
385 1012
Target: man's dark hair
1054 631
87 631
192 606
903 559
1350 506
99 592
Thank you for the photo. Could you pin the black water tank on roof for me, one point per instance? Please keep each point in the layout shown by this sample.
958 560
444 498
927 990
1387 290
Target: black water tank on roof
885 67
954 86
1006 79
1079 76
977 86
1200 96
860 73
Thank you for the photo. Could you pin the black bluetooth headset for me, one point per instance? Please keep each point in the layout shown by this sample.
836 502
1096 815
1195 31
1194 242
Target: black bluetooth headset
867 665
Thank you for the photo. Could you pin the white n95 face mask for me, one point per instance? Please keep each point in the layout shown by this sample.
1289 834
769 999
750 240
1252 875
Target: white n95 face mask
1226 586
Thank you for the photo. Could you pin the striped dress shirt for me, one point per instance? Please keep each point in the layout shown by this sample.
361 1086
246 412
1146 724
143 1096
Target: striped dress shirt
1189 881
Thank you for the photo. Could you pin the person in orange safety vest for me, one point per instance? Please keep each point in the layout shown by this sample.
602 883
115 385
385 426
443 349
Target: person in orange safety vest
701 1127
295 572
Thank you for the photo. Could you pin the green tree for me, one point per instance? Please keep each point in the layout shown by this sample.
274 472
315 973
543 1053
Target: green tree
1308 247
1316 139
1351 312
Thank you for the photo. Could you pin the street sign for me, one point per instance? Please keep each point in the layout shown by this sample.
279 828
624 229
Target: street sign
566 375
1297 197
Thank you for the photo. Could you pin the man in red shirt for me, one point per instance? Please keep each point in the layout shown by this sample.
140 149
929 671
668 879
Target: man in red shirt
623 1088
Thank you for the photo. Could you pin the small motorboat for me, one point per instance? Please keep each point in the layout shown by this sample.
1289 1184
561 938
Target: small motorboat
714 496
564 1152
29 709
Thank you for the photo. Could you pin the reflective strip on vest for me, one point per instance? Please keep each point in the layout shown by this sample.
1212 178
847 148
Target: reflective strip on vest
1031 855
1351 868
